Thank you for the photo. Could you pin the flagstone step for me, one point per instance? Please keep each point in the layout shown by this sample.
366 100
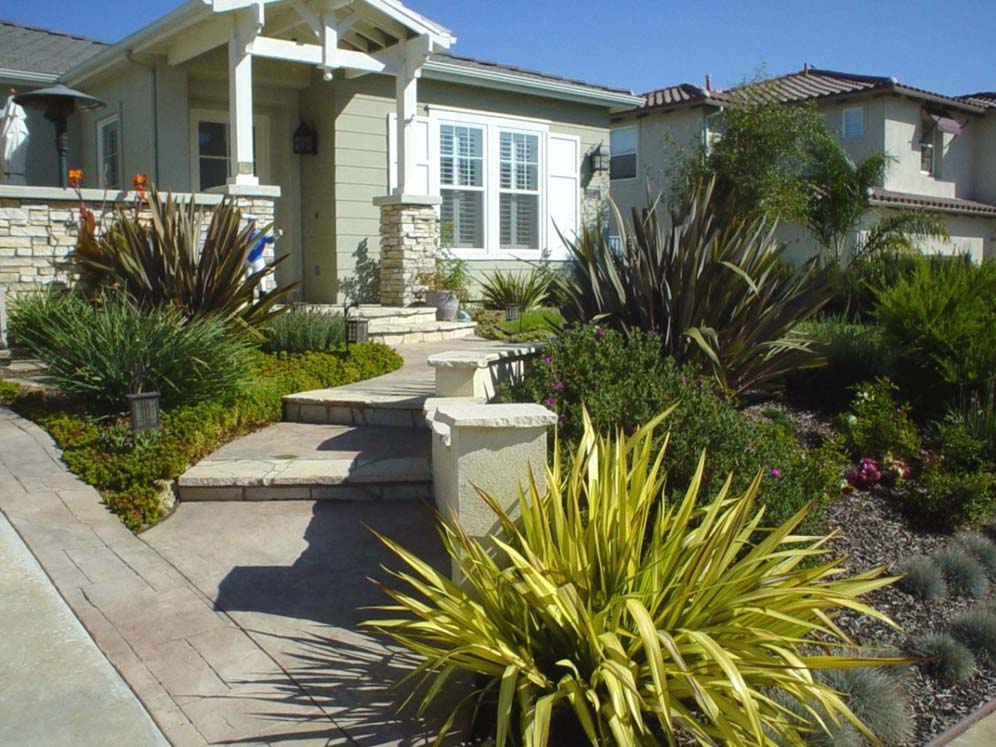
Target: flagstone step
408 334
298 461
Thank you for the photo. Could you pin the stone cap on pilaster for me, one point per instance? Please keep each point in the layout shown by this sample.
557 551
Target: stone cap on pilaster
406 199
246 190
470 415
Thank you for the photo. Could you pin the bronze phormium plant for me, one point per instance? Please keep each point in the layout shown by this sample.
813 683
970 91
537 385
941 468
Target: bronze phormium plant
637 619
717 293
166 259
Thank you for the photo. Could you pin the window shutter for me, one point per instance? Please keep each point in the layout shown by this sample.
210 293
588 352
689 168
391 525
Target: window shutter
563 199
422 165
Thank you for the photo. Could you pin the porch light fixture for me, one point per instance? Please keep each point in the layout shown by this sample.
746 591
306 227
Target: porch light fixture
144 411
305 140
599 159
513 312
58 102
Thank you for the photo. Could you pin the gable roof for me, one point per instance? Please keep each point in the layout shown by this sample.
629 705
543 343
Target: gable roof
41 55
808 84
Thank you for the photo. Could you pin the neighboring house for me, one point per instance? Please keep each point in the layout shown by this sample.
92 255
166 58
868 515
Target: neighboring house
337 111
33 58
944 147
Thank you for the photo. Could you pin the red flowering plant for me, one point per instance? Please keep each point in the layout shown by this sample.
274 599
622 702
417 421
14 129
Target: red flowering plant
865 475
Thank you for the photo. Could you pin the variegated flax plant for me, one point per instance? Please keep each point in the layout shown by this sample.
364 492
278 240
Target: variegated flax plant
636 621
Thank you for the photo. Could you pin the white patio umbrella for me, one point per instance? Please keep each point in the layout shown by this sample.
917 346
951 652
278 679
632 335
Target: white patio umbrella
13 142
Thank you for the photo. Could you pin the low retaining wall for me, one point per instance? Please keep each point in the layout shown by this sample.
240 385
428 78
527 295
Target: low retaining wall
38 226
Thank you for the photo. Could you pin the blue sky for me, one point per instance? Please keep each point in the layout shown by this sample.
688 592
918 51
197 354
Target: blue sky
643 44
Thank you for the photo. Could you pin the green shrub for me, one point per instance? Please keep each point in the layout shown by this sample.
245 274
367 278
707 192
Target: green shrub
922 578
171 261
964 575
99 352
624 381
939 323
715 292
953 498
876 427
636 615
982 548
854 353
126 468
527 288
301 331
533 326
976 628
856 285
9 391
951 661
967 435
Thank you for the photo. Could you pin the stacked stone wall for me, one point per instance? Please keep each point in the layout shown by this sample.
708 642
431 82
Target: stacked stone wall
408 238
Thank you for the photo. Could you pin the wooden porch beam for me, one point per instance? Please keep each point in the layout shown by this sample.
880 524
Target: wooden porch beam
199 40
313 54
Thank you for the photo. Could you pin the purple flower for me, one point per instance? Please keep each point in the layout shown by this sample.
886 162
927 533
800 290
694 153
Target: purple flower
599 333
698 383
775 472
550 402
558 385
749 446
653 332
548 360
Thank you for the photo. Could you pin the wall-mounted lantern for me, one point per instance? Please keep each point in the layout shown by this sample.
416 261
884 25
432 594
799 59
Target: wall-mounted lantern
305 140
144 411
599 159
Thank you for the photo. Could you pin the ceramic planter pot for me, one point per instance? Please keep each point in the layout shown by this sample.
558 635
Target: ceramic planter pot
445 303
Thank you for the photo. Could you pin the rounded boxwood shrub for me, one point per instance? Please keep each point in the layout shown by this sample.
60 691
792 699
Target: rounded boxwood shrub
625 381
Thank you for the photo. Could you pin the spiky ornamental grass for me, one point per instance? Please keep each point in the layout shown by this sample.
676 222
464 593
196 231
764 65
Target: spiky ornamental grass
877 697
922 578
949 661
976 629
643 619
964 574
982 548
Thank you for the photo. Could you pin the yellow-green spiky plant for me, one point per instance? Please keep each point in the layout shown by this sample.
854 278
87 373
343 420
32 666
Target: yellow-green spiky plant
643 618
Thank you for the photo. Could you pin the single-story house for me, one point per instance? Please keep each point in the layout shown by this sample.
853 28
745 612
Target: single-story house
355 121
943 147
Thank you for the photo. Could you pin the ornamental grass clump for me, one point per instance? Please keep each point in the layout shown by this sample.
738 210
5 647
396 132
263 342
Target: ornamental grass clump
922 578
633 618
964 574
982 548
947 659
976 629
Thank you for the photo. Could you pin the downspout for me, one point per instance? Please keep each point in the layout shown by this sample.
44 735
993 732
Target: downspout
154 77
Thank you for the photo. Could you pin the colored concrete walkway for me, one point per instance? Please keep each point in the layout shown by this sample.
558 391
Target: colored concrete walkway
58 688
231 627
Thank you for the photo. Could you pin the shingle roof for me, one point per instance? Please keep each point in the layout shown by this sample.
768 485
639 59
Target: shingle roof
888 198
983 98
472 62
803 85
36 50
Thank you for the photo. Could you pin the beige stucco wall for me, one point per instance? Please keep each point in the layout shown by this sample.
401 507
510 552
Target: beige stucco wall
985 164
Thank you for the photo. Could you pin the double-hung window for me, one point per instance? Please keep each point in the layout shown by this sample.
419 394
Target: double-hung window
853 125
209 164
461 185
623 153
109 153
519 192
928 141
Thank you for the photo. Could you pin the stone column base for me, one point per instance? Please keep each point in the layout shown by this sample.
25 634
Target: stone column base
408 235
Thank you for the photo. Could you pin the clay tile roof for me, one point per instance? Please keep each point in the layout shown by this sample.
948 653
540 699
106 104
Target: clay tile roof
36 50
803 85
888 198
983 98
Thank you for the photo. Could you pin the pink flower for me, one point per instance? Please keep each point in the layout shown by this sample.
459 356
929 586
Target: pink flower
775 472
599 333
548 360
550 402
558 385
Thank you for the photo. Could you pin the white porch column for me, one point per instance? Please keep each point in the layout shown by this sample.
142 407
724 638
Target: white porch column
240 107
406 102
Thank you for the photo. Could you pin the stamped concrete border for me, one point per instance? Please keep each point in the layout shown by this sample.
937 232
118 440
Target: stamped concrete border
203 678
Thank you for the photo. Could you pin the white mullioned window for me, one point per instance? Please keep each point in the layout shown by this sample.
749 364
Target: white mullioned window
109 153
461 182
853 125
519 198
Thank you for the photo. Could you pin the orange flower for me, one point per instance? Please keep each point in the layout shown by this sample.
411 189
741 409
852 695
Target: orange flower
75 175
139 183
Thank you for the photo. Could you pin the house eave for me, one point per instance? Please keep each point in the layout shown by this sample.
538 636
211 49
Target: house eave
27 77
509 81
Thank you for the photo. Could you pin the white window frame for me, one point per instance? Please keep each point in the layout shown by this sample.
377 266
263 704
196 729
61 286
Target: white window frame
636 154
935 144
493 127
843 123
101 156
260 122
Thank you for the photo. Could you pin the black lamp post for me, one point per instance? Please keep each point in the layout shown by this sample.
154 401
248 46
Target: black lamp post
58 102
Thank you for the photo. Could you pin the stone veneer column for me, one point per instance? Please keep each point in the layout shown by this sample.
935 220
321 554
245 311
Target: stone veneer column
408 237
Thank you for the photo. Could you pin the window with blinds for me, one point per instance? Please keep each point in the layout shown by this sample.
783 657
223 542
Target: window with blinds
623 153
518 202
109 153
461 178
